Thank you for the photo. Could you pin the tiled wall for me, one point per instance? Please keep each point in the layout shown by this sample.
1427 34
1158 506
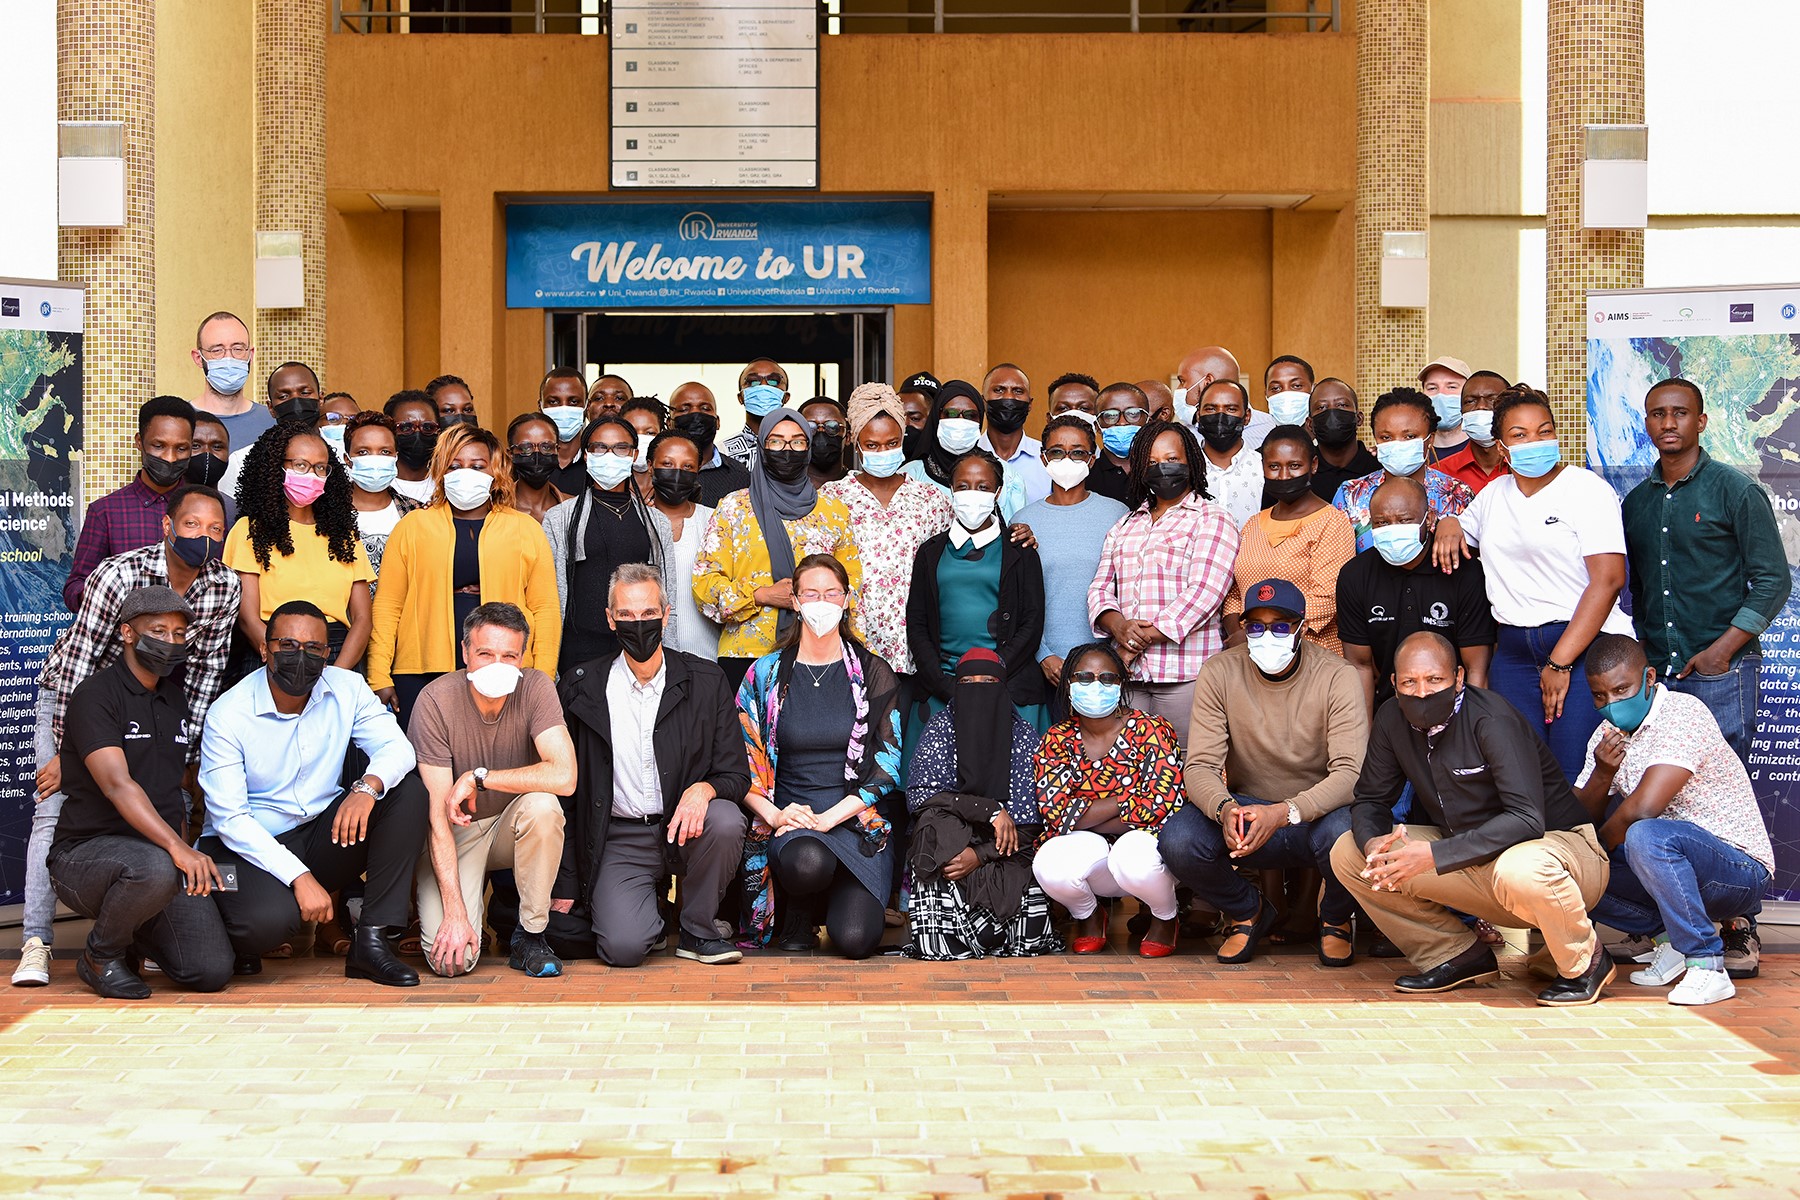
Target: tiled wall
290 168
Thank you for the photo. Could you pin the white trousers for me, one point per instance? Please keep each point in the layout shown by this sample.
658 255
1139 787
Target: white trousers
1074 869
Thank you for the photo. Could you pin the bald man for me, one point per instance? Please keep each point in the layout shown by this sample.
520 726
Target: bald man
1200 368
694 414
1162 400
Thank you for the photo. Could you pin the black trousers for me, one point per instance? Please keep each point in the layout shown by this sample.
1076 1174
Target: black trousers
139 901
262 913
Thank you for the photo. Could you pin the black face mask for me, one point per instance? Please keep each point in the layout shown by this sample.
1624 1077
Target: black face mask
162 472
414 448
1335 427
295 671
1221 431
297 408
206 469
1008 416
700 428
828 451
639 639
158 657
1428 711
533 469
195 551
912 443
674 485
1167 480
1291 488
449 419
785 466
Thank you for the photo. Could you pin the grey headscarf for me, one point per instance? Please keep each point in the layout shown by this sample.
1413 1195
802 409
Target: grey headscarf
774 502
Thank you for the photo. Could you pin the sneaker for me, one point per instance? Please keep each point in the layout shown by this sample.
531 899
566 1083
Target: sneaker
1702 985
1667 965
34 964
532 955
1638 948
711 951
1743 948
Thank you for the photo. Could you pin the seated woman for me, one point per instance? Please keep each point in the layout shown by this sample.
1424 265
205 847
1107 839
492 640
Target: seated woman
974 817
1107 779
814 784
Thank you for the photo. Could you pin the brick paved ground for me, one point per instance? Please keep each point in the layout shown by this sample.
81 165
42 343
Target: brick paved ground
802 1075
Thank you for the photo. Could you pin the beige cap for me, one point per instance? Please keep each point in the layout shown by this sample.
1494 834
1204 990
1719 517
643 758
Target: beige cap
1449 364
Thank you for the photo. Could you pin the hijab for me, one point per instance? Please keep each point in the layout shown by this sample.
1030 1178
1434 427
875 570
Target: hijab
983 719
939 462
774 502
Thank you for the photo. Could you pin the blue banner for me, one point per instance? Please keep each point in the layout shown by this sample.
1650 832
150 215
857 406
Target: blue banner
770 254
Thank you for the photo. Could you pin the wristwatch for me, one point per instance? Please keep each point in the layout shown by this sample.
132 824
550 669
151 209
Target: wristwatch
362 785
1293 813
480 774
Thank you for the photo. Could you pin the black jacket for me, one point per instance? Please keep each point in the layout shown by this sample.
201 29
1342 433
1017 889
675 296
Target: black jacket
1015 625
1488 782
698 738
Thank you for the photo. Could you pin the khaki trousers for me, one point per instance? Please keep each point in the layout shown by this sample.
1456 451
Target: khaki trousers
526 836
1548 885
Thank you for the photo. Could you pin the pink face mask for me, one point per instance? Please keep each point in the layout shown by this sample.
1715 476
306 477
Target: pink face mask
302 487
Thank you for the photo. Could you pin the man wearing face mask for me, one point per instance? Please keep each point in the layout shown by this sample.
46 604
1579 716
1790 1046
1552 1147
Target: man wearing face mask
659 752
133 515
1284 721
185 560
1442 379
1199 371
294 395
120 856
1481 460
562 397
1234 473
827 462
1008 395
918 396
695 414
224 355
287 805
762 388
495 756
1496 833
1288 384
1333 421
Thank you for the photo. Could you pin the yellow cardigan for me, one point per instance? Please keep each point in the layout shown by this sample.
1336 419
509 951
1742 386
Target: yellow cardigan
415 620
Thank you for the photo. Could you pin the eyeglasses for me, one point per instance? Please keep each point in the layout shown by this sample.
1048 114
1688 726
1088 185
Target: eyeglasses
1109 678
779 381
960 414
533 448
416 427
334 418
305 468
625 450
237 350
1059 454
1130 416
834 596
786 443
310 649
1278 628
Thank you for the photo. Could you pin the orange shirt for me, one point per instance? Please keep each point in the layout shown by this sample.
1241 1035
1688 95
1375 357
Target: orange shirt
1308 553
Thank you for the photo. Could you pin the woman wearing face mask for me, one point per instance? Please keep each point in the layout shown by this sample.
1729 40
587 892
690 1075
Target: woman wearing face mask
951 432
829 462
297 540
1108 776
603 528
336 410
973 587
372 464
531 441
470 547
1301 539
648 417
822 729
744 575
415 437
681 520
1552 545
1164 573
1403 421
974 818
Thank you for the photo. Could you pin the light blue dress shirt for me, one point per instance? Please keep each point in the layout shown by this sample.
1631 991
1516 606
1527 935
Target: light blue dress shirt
1012 488
266 773
1027 464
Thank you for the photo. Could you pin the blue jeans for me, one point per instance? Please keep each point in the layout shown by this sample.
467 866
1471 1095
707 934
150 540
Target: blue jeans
1193 848
1673 875
1731 698
40 899
1518 660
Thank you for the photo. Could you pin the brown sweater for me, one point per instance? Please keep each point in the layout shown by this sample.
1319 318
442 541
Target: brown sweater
1301 739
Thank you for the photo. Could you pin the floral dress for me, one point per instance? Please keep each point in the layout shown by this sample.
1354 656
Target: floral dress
887 540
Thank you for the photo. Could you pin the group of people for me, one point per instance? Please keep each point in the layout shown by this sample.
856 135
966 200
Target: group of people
539 684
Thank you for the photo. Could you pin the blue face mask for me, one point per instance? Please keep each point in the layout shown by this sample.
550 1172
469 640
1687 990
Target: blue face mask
1448 409
1094 699
374 472
883 463
1401 458
1630 713
1479 425
1118 439
568 419
1290 408
607 469
227 375
1398 544
1534 459
333 434
761 399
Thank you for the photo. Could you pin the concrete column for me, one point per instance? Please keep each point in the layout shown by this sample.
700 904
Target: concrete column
959 284
290 170
1393 111
1596 70
472 331
106 71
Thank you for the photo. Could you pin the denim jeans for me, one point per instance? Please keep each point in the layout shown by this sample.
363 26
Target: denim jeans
1518 661
1193 847
1673 875
40 899
138 900
1731 698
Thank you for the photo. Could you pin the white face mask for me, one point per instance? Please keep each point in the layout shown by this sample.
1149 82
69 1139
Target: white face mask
973 508
1272 654
643 459
467 488
1290 408
1067 473
496 680
1080 414
958 435
1184 412
821 616
1479 425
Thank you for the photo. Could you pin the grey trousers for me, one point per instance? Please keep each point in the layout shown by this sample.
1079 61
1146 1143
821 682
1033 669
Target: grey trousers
626 923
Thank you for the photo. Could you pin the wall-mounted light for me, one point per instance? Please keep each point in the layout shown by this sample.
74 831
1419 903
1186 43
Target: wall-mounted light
90 174
1615 177
280 269
1405 270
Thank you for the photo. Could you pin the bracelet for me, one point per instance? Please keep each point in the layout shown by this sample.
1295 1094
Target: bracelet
1219 811
1558 667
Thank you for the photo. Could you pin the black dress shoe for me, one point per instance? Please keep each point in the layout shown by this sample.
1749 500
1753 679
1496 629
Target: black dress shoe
111 978
247 964
1474 965
371 957
1584 988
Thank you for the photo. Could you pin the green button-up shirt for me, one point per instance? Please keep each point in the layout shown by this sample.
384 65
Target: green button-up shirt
1705 554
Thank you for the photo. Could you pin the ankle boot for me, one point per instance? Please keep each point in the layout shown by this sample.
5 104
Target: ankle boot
372 958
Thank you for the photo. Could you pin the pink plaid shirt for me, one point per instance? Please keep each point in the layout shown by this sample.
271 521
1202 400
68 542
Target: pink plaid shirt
1173 573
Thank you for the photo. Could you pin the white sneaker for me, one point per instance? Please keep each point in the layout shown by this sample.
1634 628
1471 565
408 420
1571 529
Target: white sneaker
34 964
1666 966
1703 986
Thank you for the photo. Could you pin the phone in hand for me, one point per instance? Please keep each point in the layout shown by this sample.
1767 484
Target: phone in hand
227 877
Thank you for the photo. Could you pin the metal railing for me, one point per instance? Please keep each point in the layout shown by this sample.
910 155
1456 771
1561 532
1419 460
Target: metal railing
591 16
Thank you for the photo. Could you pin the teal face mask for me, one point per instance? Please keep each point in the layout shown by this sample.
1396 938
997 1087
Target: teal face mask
1630 713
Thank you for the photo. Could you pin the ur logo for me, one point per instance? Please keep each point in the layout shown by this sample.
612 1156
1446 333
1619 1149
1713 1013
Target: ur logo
696 227
44 309
1787 312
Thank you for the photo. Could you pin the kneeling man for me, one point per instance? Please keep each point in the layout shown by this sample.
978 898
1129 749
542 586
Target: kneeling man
1501 836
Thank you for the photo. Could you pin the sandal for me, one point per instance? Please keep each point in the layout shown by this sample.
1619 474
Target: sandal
1252 931
1345 933
1486 934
